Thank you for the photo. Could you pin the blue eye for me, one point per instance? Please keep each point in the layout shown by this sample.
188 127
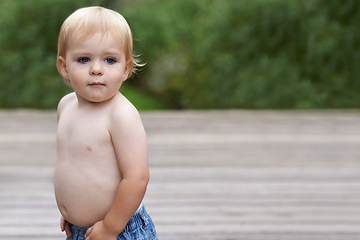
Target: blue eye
83 59
110 60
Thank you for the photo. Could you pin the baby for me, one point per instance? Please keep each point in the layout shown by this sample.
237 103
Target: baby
102 168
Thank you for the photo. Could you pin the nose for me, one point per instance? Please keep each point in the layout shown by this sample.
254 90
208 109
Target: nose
96 69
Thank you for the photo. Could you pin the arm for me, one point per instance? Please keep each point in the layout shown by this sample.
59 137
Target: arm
129 141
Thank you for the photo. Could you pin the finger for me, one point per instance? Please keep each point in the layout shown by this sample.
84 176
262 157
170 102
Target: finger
68 230
88 232
62 224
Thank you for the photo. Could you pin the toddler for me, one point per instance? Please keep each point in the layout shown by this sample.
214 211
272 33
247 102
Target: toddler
102 168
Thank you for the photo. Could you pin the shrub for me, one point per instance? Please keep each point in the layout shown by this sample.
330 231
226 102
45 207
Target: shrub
28 45
249 54
200 53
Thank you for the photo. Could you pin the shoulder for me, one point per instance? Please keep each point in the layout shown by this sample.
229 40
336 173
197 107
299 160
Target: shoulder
64 102
124 114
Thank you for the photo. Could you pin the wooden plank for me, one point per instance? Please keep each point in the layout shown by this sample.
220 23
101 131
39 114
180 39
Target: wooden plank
214 175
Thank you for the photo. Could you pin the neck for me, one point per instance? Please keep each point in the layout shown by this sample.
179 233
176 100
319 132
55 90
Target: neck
85 103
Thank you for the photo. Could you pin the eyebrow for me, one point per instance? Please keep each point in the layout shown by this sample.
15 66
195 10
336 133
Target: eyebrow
107 52
114 51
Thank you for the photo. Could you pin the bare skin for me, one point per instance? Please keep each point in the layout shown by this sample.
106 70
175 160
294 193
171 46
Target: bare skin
102 161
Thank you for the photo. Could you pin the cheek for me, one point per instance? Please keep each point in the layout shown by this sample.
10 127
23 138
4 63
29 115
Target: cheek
76 73
119 75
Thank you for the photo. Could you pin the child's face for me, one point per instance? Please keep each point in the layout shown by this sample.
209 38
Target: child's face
96 67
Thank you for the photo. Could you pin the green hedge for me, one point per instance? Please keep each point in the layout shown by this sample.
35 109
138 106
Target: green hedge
28 44
200 53
250 54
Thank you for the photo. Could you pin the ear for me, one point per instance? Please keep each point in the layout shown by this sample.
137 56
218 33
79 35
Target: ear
127 71
61 64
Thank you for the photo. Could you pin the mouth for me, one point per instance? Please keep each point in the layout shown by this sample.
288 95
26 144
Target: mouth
97 84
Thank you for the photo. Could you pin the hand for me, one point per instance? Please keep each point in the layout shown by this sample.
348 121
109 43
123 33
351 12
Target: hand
100 232
65 226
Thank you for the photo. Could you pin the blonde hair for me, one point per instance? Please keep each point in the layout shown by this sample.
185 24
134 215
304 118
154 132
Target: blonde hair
85 22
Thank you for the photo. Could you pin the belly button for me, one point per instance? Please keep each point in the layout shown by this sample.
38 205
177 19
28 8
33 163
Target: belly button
89 148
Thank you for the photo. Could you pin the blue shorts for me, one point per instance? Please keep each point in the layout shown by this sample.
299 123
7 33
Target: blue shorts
139 227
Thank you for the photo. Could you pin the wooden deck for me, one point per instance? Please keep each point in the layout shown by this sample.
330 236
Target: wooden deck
215 175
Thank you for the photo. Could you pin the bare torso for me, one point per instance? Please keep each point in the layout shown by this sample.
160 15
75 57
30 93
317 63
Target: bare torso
87 173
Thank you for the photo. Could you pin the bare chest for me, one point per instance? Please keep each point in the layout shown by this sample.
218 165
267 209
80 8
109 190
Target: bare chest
84 138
